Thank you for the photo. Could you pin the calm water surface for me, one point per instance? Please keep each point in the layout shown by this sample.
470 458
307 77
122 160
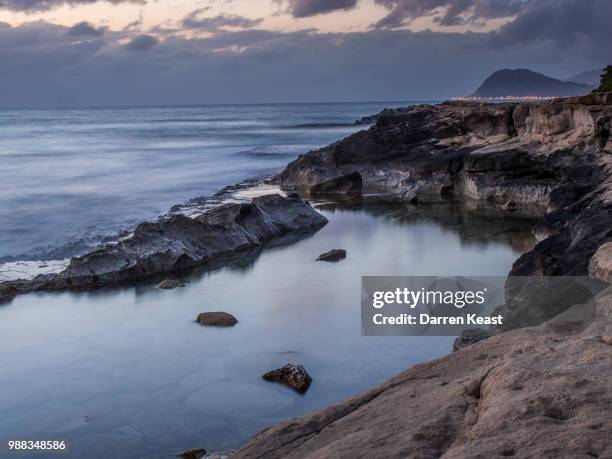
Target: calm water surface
127 373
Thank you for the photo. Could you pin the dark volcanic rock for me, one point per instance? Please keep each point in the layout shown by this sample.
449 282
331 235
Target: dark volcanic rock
292 375
551 159
469 337
170 284
7 293
196 453
333 255
218 319
177 243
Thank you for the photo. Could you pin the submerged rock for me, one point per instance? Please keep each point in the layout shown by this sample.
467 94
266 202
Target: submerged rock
333 255
196 453
218 319
469 337
292 375
169 284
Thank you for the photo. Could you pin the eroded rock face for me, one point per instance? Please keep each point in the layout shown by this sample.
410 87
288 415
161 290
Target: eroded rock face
551 159
514 155
176 243
216 319
536 395
295 376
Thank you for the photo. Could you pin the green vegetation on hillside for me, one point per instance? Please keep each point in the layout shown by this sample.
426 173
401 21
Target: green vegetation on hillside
606 80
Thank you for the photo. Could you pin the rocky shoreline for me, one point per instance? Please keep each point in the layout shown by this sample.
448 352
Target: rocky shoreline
543 392
178 243
540 392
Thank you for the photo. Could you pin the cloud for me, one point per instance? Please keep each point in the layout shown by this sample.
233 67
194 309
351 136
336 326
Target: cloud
564 22
86 29
30 6
43 65
306 8
194 21
141 43
449 12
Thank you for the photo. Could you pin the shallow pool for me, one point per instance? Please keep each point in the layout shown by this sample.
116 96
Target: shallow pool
126 373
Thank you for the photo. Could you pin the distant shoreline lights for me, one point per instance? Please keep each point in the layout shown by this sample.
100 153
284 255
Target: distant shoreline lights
477 98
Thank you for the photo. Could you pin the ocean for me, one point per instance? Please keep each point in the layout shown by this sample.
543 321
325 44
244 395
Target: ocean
72 177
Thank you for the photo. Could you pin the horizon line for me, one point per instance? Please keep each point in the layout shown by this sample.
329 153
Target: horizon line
218 104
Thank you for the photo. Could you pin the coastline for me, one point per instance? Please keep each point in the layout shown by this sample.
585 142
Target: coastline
461 399
554 157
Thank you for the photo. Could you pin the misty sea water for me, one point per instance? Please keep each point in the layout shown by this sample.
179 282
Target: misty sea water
70 177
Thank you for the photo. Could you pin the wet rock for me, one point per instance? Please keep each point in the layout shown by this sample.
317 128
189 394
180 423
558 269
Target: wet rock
178 243
7 293
196 453
600 266
216 319
292 375
469 337
333 255
170 284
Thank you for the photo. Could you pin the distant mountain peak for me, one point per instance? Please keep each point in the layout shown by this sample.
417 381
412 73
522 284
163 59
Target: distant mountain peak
525 82
590 77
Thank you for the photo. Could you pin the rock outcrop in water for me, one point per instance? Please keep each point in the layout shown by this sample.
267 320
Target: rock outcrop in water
294 376
177 243
554 159
216 319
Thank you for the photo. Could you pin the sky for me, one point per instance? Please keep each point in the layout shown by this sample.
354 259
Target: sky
153 52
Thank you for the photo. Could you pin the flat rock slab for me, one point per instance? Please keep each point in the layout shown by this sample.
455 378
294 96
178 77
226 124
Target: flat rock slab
295 376
169 284
217 319
333 255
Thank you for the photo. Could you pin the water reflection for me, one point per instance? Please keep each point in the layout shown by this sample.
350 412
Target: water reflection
127 372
